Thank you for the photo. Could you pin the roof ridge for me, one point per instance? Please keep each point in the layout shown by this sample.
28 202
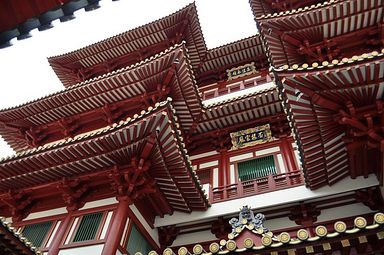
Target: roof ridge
127 68
312 7
315 66
230 100
84 136
186 8
229 43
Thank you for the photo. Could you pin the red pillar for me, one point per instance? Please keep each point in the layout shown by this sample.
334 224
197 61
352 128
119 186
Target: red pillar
116 228
60 235
288 154
224 178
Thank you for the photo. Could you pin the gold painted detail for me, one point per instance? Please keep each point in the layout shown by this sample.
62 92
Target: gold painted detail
197 249
223 242
302 234
327 246
291 252
345 243
363 239
168 251
238 229
248 243
214 247
309 249
321 231
380 235
266 240
379 218
182 251
250 137
231 245
284 237
231 236
340 226
241 71
152 253
360 222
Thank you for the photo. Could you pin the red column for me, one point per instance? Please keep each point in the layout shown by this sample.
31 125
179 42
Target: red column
116 228
60 235
224 169
288 154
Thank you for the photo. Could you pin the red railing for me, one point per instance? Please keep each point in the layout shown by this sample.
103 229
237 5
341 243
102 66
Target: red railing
257 186
233 86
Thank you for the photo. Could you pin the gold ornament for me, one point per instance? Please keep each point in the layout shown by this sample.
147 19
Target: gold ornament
248 243
266 240
302 234
340 226
284 237
360 222
197 249
214 247
182 251
379 218
231 245
167 251
321 231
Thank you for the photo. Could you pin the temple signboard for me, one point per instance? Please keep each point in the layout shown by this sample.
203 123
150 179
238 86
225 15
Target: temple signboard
251 136
241 71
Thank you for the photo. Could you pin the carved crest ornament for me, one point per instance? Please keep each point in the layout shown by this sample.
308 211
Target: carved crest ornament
248 219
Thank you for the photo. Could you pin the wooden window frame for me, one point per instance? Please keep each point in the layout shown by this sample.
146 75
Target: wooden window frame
47 235
275 161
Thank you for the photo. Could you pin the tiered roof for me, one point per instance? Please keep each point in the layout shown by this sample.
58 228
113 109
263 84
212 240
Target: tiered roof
152 136
330 30
104 100
133 46
268 7
317 115
13 243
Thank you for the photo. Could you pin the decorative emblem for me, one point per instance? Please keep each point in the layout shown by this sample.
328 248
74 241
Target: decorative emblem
302 234
247 218
284 237
248 243
340 227
379 218
360 222
321 231
214 247
197 249
241 71
251 136
231 245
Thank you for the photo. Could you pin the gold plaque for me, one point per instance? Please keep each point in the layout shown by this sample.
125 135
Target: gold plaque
241 71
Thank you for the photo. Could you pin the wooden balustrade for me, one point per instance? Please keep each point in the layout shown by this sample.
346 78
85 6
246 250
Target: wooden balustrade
233 86
256 186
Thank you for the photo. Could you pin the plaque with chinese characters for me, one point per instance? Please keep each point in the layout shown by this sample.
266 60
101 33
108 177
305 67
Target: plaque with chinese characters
251 136
241 71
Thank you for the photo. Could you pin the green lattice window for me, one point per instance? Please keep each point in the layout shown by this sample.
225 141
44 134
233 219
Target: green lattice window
87 230
137 242
36 233
256 168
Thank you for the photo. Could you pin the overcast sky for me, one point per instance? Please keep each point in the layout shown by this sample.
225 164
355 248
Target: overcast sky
26 75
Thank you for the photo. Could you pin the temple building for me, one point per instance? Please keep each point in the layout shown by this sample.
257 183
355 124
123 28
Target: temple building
272 144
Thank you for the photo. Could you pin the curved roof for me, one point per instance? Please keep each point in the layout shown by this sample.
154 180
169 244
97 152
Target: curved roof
132 45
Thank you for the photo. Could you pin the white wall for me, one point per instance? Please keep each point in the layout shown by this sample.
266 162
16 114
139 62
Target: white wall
91 250
193 238
267 200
